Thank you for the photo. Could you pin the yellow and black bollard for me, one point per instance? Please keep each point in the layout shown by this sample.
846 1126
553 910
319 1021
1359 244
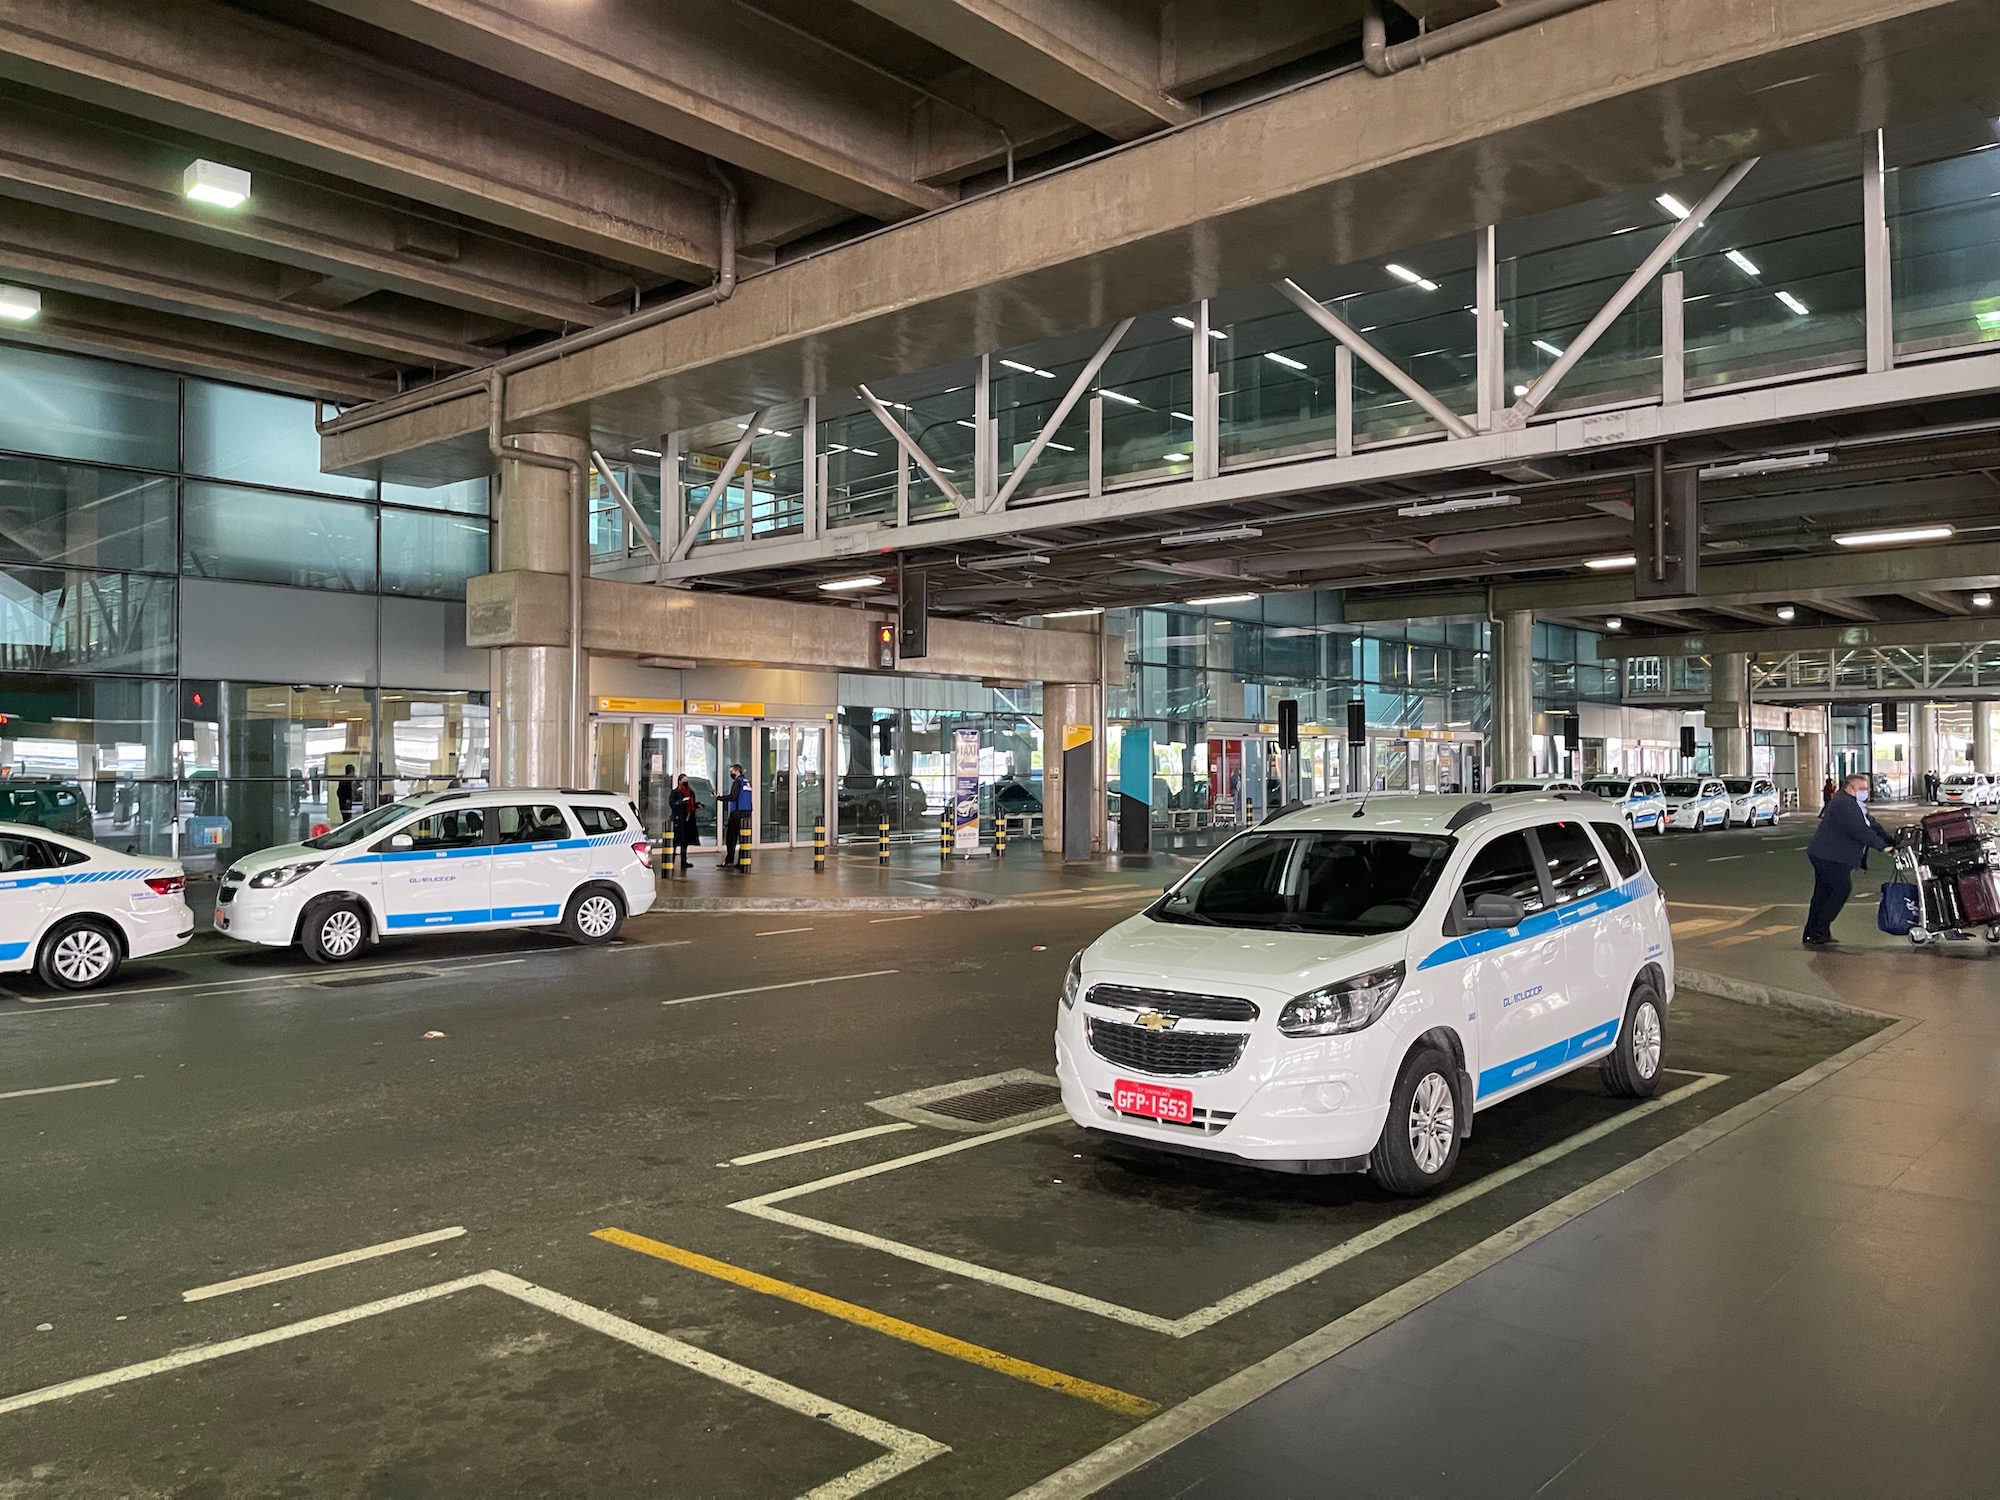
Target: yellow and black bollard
743 849
819 846
669 854
945 838
999 838
882 842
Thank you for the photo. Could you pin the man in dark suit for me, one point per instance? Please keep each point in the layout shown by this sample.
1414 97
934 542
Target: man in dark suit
1840 847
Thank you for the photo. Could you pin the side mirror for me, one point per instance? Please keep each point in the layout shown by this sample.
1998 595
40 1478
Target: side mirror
1493 912
401 841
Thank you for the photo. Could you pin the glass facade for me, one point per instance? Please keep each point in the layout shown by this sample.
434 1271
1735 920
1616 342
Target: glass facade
116 483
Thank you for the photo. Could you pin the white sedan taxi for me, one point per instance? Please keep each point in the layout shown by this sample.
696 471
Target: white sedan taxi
1753 802
1696 802
74 911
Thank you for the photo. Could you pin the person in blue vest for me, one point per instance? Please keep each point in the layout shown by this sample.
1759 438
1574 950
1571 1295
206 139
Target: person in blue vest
1840 847
736 815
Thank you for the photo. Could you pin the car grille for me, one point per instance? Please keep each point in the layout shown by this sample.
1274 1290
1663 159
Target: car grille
1171 1054
1173 1003
226 893
1205 1122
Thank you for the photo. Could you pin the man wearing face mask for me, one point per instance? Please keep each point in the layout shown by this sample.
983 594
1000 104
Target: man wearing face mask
1840 847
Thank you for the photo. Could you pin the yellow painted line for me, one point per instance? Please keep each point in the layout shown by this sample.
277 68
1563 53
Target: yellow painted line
1122 1402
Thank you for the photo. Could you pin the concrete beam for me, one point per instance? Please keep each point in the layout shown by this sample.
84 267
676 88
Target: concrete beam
48 247
1938 603
720 78
1206 45
1844 608
1783 640
132 177
1097 61
635 619
197 346
1622 92
211 69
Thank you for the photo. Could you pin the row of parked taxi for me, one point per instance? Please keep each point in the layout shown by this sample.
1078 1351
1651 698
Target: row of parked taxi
1655 804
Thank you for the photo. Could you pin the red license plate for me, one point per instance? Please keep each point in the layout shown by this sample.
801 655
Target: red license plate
221 920
1174 1106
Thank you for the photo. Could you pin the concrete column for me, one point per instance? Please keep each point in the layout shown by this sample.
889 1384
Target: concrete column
1982 737
1812 772
1923 746
532 716
1513 677
1728 713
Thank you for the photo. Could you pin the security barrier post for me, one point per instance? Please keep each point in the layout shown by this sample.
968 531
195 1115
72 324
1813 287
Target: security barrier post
819 845
743 849
999 837
882 842
669 854
945 837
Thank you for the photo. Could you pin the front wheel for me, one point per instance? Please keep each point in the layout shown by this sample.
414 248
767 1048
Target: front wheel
1632 1071
595 915
1418 1150
77 955
333 931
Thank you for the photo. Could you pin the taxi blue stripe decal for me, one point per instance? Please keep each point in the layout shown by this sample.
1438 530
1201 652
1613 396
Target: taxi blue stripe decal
10 951
1538 1064
1540 924
440 918
81 877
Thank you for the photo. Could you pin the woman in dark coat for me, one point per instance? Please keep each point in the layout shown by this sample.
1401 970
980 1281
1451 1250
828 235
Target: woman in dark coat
682 807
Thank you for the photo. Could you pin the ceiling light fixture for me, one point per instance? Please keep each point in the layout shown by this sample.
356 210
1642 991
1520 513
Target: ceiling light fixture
1892 537
647 452
1188 323
1787 614
1219 534
1404 273
1547 348
849 585
1072 614
1773 464
1454 507
1060 447
1120 396
19 303
1175 458
1673 205
1180 416
1794 304
1612 564
1743 262
1207 599
1286 360
1613 622
1982 600
1015 364
213 183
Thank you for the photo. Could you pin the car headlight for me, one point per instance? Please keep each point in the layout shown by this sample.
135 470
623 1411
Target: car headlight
1349 1005
1073 982
278 875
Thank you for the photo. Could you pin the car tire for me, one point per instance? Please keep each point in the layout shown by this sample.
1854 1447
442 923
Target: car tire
596 914
333 930
78 954
1632 1071
1418 1150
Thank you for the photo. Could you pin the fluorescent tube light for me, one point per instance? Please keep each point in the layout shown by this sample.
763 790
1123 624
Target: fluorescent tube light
1175 458
1404 273
1072 614
1061 447
1743 263
1286 360
848 585
212 182
1188 323
1794 304
1180 416
1549 349
19 303
1454 507
1775 464
1892 537
1219 534
1120 396
1223 599
1612 564
1673 205
647 452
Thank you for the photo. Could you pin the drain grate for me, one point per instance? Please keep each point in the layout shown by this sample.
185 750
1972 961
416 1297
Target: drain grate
358 980
1002 1101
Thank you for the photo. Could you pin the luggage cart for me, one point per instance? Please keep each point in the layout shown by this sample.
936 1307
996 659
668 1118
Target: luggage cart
1952 860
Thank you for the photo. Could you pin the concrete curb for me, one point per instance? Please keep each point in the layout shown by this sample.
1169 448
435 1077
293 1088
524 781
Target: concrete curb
1708 982
671 904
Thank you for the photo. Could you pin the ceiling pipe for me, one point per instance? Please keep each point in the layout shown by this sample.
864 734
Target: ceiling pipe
454 386
1383 59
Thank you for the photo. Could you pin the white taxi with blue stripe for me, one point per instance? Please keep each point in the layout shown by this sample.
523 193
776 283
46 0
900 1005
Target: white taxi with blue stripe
1341 988
447 861
73 911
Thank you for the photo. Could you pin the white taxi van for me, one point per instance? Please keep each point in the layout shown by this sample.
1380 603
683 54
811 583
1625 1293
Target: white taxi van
1341 988
456 860
74 911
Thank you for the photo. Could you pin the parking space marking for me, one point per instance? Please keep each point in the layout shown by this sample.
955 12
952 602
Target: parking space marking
878 921
790 984
905 1449
764 1207
1122 1402
296 978
59 1088
781 931
324 1263
803 1146
55 1010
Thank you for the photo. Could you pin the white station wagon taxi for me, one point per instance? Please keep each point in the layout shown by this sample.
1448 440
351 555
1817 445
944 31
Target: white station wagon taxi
1341 988
74 911
1644 804
1697 802
519 857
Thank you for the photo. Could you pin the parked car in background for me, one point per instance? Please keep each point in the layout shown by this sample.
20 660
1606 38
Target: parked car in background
1536 784
55 805
1753 802
1640 797
1969 789
1013 799
73 911
1696 803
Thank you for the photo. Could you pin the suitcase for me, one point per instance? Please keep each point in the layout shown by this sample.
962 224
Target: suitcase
1954 825
1979 897
1941 909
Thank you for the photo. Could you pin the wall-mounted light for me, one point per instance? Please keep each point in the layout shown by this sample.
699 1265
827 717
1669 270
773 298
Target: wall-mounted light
1614 623
848 585
1982 600
1787 613
19 303
212 182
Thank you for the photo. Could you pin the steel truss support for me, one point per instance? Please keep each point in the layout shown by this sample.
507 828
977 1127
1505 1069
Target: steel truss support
1379 362
625 504
721 487
1061 414
913 453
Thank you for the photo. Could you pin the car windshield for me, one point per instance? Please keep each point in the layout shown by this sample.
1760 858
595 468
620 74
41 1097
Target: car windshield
1739 786
1608 788
1354 884
1684 789
361 827
1958 778
1517 786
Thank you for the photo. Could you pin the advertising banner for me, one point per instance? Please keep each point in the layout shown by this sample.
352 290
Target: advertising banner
965 788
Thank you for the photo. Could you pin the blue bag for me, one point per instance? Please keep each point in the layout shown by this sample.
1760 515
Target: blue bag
1898 912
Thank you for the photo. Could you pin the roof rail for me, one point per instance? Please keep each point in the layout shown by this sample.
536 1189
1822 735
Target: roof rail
1467 814
1279 812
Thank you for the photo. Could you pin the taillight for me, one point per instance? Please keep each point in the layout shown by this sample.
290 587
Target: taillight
641 848
167 885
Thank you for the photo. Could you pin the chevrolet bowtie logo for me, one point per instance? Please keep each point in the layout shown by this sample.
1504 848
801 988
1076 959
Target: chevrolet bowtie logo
1152 1020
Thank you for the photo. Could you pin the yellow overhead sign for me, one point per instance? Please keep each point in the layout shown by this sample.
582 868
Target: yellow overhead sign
639 705
726 710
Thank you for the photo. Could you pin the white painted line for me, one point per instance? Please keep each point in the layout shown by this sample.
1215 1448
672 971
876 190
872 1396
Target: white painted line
1202 1317
878 921
791 984
295 980
629 947
1131 1451
905 1449
324 1263
56 1010
826 1140
781 931
59 1088
1723 859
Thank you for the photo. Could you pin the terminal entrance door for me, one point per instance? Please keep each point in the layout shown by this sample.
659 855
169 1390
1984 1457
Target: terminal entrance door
785 763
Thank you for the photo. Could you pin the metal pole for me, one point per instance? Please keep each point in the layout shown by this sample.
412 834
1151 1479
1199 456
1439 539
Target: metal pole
1673 338
1877 287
